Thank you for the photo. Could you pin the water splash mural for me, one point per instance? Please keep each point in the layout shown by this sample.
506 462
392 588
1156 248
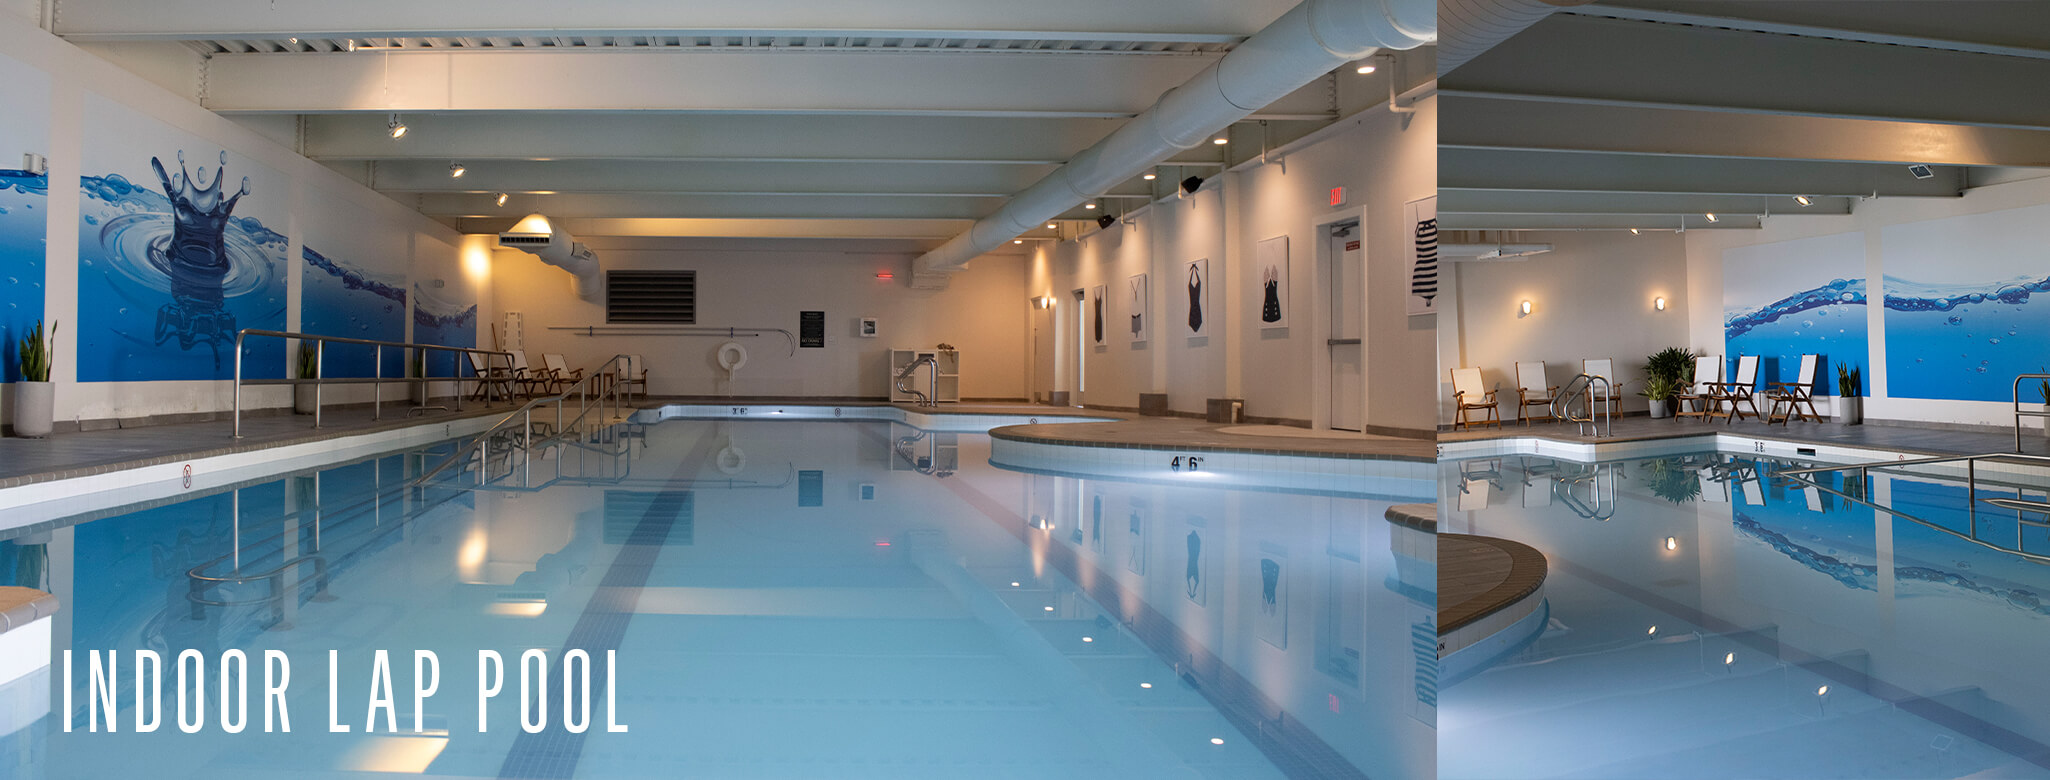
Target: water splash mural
1787 299
168 274
1966 341
24 200
439 318
339 298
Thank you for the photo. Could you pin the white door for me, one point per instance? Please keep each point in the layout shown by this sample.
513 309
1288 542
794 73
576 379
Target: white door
1043 350
1347 285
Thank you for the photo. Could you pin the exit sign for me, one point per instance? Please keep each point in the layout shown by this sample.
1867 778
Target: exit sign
1337 196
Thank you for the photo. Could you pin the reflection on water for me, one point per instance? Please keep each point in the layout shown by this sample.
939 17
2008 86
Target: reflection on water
786 600
1724 622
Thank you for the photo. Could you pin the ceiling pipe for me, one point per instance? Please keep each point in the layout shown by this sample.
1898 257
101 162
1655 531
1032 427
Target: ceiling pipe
1459 252
1305 43
535 236
1475 26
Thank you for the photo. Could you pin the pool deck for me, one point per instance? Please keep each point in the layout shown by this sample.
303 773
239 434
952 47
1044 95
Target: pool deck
1182 435
1896 438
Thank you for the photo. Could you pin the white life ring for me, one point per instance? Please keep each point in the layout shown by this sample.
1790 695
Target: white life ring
732 356
731 460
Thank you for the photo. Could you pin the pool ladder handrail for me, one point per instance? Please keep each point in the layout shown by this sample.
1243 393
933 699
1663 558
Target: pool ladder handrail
910 369
2019 414
1800 476
594 380
1582 387
377 380
1595 508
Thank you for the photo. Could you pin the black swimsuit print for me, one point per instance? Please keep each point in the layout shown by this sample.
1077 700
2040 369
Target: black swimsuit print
1195 300
1099 318
1270 582
1270 308
1195 575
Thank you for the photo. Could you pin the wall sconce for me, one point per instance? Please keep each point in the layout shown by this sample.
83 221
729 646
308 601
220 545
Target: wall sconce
1672 544
1659 303
1524 309
1042 302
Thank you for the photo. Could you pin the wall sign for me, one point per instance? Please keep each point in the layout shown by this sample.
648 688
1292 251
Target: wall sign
811 329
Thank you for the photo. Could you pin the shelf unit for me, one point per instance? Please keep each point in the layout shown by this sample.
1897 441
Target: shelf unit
949 364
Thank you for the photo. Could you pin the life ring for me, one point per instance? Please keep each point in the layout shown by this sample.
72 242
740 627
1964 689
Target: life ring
732 356
731 460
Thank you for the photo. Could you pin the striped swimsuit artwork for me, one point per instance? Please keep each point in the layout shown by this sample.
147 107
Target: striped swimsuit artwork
1423 279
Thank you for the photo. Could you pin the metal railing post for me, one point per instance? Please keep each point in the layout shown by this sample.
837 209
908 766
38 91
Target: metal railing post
238 389
377 387
456 373
319 352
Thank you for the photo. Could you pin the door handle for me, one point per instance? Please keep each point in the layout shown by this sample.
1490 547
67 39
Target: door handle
1336 342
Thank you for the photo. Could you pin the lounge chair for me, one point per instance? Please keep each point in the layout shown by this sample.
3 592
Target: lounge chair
1531 390
1732 397
631 372
1597 395
490 377
1794 395
1702 391
529 380
1469 395
559 372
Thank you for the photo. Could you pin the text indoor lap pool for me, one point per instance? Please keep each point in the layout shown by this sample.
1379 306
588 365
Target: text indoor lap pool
1710 620
785 599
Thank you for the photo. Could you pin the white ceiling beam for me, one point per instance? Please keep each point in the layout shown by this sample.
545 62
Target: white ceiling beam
1510 123
894 83
1513 202
626 176
930 230
2006 29
702 205
1174 20
1448 220
1598 61
1496 169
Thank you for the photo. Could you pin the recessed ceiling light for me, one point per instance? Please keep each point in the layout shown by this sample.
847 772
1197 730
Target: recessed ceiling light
1364 69
456 170
501 198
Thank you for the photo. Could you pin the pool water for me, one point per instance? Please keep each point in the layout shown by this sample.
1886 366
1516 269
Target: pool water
1709 620
784 599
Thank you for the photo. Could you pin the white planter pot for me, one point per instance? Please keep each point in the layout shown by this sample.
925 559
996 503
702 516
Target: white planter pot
1661 408
35 404
302 399
419 393
1849 410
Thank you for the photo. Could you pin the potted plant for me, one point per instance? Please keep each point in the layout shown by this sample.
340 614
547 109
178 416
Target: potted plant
35 398
1850 385
1665 373
2043 391
418 390
309 367
1671 480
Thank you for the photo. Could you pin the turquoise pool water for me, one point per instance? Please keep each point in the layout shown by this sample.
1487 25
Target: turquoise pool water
784 599
1709 620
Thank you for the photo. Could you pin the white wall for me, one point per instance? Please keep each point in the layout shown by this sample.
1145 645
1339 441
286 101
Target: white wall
1384 160
1870 221
74 73
759 284
1591 297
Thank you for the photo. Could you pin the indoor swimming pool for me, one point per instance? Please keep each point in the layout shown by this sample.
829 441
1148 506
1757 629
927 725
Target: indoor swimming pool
1709 619
793 599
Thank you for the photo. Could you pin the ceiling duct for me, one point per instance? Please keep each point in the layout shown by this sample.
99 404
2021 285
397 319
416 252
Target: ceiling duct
1307 42
535 236
1470 27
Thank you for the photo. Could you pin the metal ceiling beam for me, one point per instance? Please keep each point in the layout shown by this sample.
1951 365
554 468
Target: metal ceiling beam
1006 19
735 228
1498 122
2006 29
1495 169
626 176
1511 202
1589 60
718 206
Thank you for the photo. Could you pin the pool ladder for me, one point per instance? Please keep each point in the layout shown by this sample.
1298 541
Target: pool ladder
1582 388
924 398
1600 503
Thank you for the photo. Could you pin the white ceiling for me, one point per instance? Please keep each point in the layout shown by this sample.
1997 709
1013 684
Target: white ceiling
881 119
1648 113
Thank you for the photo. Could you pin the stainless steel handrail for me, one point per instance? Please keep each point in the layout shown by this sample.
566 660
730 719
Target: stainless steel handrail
912 368
319 359
1583 386
526 413
2019 414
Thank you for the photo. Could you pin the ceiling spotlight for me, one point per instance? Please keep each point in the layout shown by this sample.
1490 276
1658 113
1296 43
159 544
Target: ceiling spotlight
1089 205
501 198
1220 140
1192 184
293 40
1106 221
1635 232
1365 69
456 170
1017 241
1804 200
1710 215
1052 226
396 128
1150 176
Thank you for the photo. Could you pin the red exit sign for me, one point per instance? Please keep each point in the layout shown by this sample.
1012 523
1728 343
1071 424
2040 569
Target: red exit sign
1337 196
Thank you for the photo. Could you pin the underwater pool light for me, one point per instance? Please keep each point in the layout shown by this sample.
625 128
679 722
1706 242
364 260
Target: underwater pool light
1216 740
1048 608
1088 639
1146 685
1822 691
1653 632
1014 584
1729 659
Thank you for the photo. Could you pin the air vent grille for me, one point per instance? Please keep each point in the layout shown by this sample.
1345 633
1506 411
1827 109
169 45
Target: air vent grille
651 296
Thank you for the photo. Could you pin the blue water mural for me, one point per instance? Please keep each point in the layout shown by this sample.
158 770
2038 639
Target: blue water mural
1965 341
438 320
166 278
1828 320
340 299
24 204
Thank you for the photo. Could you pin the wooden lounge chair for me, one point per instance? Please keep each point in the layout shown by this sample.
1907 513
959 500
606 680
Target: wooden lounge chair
1793 396
528 380
1732 397
1531 390
1701 392
630 373
1469 395
491 378
560 373
1598 396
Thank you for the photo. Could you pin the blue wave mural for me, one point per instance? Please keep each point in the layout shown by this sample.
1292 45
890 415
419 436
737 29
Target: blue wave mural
24 204
167 277
1828 320
339 299
1864 576
439 320
1965 341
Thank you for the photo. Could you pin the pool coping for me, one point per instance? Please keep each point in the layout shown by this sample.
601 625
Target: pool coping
1524 576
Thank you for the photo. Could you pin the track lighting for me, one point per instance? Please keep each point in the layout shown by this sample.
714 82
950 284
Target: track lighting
1710 215
396 128
1106 221
1192 184
1089 205
1803 200
501 198
456 170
